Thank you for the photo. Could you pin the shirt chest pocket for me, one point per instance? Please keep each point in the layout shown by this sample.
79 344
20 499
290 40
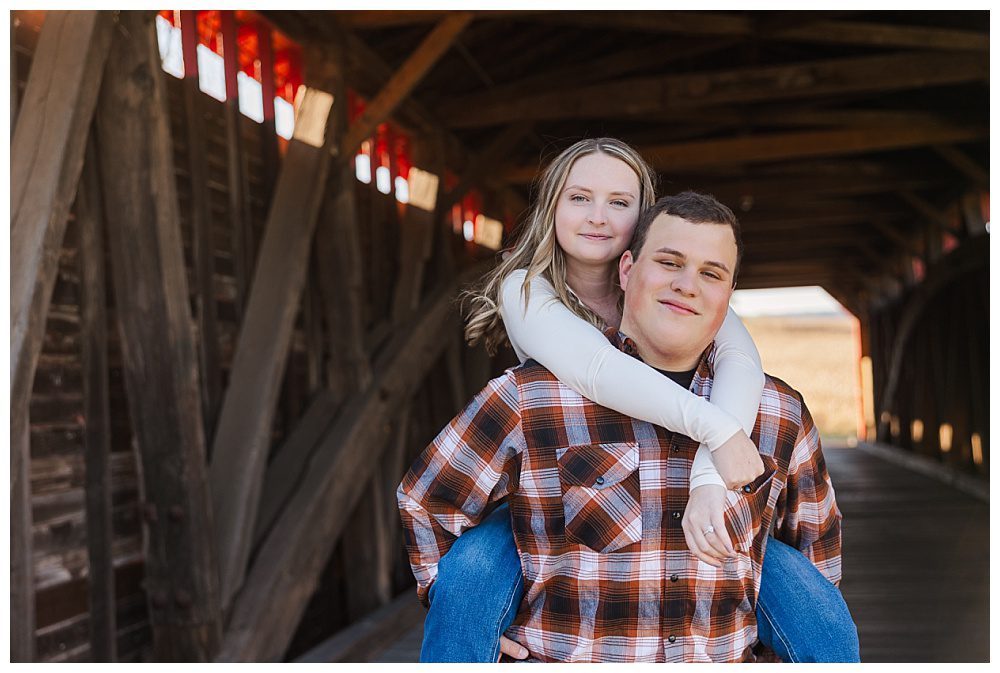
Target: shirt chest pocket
600 493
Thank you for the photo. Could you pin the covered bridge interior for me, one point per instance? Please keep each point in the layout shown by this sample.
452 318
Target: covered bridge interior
231 334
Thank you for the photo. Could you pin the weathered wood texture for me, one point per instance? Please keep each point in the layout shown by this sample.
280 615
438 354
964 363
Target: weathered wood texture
158 346
47 151
656 95
242 440
97 440
286 568
206 320
939 324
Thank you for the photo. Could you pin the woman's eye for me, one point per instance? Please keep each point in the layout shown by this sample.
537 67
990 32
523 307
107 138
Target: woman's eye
620 203
578 198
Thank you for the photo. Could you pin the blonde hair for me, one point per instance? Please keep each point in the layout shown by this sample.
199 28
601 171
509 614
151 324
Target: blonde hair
537 250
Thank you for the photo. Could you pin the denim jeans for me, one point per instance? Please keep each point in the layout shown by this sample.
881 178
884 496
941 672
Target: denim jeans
800 614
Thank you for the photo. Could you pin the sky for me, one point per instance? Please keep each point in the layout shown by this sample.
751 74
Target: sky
785 301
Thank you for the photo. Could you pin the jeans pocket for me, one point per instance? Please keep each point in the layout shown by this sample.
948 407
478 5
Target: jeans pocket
601 495
745 510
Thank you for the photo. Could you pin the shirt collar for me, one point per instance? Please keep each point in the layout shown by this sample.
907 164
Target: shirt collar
625 343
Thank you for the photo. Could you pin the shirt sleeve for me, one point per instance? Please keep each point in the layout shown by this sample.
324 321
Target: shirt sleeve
581 357
806 515
739 381
473 461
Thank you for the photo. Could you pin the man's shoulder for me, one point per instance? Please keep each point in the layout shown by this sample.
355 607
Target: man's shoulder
781 400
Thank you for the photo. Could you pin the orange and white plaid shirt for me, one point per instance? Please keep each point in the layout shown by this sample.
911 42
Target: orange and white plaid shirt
596 501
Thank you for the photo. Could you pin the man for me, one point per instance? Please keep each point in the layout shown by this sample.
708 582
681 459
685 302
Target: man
596 497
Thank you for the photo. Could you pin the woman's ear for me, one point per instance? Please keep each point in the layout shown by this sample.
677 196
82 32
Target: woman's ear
625 263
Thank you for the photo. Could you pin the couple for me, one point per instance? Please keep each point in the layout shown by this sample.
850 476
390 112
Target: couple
568 513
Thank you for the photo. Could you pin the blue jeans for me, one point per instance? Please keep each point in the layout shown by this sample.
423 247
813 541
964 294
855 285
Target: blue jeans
800 614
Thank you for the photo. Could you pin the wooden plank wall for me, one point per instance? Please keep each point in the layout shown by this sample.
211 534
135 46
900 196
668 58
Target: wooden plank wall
943 377
58 465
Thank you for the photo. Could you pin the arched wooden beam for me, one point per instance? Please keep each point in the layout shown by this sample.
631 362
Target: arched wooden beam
970 256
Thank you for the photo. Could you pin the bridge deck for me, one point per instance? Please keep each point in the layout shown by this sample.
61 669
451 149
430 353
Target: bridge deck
916 565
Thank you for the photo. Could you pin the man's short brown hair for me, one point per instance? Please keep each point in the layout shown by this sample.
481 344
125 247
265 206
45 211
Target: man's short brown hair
694 207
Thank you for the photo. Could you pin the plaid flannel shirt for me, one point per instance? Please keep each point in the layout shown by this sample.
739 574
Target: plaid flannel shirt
596 501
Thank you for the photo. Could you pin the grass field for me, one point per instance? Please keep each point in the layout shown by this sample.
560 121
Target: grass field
816 355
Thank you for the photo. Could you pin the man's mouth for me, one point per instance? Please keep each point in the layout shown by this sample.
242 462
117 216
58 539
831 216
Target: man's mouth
678 307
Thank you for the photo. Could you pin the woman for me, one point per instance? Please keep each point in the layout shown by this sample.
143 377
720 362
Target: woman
551 297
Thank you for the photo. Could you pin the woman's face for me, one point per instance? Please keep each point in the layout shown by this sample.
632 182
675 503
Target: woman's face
597 210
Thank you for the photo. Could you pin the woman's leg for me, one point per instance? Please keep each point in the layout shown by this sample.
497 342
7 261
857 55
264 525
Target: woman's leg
800 614
476 594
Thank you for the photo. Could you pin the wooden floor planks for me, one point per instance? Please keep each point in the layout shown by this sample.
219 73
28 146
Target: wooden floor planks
916 565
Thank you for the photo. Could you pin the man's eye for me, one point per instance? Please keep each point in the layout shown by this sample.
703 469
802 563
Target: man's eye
712 275
667 262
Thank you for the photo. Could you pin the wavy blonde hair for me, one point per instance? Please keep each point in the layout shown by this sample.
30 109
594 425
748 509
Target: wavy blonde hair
537 250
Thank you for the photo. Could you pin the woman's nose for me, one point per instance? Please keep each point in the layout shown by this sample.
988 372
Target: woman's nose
597 215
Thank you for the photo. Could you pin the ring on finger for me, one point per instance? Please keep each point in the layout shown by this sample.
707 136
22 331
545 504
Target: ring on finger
708 529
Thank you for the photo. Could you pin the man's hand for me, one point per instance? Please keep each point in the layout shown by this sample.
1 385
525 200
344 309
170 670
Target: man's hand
738 461
512 649
705 526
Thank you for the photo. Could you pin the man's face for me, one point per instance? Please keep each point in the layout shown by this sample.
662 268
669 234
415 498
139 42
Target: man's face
677 291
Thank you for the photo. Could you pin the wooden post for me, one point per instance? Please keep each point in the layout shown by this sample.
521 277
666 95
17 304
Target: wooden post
46 155
239 192
268 132
159 352
201 228
97 433
243 433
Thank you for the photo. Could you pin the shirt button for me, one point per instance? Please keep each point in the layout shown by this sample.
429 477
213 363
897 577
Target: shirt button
599 481
672 638
673 578
676 515
747 489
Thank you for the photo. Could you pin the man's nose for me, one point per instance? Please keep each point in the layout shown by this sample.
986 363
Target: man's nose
685 282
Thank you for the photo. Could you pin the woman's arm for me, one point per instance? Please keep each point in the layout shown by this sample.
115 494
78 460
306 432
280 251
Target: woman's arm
738 385
582 358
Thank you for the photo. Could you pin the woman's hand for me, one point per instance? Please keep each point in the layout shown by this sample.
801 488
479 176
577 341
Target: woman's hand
705 526
738 461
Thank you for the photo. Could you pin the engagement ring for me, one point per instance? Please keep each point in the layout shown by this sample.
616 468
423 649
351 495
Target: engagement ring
710 529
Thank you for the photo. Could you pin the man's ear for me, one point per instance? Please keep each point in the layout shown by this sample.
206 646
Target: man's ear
625 263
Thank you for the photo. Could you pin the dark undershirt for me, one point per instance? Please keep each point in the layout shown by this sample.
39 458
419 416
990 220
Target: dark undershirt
683 379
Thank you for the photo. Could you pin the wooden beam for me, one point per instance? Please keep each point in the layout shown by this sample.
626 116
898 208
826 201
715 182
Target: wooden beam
783 146
46 157
925 209
284 472
97 431
157 342
825 31
243 433
399 86
645 95
238 190
966 258
210 377
361 641
964 163
287 567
